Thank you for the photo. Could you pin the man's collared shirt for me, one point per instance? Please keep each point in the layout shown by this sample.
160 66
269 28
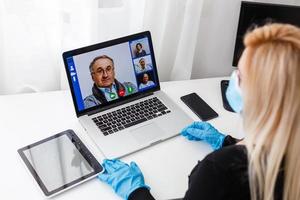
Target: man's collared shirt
110 93
148 84
139 69
91 100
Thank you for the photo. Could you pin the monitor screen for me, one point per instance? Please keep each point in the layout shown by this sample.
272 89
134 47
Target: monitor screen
257 14
112 72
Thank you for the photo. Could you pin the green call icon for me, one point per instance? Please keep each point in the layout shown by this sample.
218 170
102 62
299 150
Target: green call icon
129 89
112 95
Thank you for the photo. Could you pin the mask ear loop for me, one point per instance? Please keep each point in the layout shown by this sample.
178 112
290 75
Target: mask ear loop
237 80
238 74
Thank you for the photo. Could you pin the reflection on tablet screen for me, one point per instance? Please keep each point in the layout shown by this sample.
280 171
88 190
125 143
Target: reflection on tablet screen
58 162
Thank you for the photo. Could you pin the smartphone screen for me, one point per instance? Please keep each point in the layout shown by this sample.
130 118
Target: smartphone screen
199 107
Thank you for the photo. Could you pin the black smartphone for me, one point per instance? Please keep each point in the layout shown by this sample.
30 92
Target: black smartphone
224 86
199 107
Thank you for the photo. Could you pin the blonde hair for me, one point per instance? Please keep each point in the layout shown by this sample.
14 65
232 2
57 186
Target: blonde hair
271 113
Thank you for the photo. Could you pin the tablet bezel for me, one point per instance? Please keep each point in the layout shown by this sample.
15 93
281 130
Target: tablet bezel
80 147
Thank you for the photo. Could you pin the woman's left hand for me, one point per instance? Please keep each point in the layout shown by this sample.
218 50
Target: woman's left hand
203 131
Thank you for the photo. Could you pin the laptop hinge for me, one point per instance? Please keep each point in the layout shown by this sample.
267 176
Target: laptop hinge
119 103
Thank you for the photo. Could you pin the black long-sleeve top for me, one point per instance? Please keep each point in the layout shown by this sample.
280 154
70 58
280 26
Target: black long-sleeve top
221 175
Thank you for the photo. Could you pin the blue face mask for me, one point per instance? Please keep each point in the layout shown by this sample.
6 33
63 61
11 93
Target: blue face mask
234 94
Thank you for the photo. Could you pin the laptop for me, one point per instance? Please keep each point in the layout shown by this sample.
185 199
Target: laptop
117 97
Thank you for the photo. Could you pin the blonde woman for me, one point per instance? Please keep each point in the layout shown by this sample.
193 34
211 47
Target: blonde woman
266 165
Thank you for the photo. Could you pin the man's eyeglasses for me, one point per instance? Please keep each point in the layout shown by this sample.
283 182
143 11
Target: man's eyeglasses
100 71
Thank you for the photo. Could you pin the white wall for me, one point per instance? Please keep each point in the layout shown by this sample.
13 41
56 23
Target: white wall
217 31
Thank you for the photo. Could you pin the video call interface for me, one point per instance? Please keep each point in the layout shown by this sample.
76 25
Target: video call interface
107 74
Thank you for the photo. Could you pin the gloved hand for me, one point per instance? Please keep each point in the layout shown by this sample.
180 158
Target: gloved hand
123 178
206 132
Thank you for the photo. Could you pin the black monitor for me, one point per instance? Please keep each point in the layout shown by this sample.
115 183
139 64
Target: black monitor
257 14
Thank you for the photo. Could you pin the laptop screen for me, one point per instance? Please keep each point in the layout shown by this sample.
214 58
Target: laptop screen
106 73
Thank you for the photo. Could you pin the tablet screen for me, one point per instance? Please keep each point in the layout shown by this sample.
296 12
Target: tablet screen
59 162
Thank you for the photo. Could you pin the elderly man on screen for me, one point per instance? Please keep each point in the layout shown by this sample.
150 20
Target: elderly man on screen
106 87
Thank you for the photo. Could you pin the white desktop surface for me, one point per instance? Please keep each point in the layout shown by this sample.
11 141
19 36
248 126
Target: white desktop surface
27 118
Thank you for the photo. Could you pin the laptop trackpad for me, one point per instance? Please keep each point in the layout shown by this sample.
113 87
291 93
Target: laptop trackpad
147 133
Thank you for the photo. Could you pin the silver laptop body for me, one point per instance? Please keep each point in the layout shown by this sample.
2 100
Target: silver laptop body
137 128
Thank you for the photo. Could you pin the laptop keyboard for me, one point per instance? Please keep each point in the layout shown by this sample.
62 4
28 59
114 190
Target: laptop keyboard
131 115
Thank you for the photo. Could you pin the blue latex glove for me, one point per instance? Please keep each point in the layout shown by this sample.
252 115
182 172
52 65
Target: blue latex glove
123 178
206 132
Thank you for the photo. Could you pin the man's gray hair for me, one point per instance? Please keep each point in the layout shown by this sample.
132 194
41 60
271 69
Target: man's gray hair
100 57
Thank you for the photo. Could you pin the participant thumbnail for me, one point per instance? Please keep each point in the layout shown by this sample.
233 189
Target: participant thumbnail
143 64
140 47
145 80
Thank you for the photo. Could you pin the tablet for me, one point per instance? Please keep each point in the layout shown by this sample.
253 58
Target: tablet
59 162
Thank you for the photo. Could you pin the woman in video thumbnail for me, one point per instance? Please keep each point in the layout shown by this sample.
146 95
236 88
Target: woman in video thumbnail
139 50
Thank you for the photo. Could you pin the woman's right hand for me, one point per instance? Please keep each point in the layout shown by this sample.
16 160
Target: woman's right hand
204 131
123 178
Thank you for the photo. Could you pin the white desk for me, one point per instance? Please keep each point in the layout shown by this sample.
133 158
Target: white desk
27 118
